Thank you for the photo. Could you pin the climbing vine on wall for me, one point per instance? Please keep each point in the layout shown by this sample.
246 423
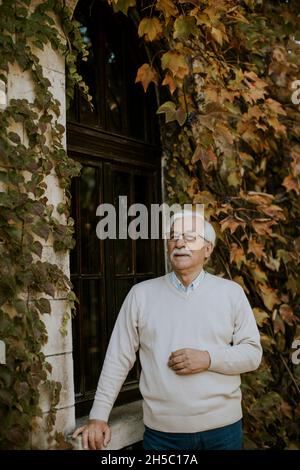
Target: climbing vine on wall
231 136
31 148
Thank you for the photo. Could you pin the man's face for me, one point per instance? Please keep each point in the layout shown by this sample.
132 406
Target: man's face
188 249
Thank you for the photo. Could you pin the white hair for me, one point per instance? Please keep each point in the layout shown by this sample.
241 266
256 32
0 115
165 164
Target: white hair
209 231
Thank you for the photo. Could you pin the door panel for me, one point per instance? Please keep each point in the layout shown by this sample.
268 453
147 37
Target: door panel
103 271
117 143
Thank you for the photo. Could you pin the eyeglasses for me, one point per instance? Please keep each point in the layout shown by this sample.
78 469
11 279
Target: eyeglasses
187 237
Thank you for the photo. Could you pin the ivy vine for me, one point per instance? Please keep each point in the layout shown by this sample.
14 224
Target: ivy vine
229 66
31 148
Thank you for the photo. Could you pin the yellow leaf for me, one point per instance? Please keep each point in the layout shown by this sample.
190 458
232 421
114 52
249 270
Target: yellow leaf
261 316
269 296
123 5
167 7
273 263
172 113
151 28
176 63
146 75
217 35
205 197
257 273
234 178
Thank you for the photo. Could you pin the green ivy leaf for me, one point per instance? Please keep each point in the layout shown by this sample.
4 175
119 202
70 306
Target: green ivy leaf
123 5
43 305
37 248
41 229
185 26
14 137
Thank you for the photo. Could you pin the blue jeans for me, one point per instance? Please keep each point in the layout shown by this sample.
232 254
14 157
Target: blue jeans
226 438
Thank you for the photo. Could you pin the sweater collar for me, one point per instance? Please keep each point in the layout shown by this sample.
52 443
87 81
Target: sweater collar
191 287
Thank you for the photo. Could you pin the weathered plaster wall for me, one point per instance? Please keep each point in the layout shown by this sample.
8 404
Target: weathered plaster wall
58 349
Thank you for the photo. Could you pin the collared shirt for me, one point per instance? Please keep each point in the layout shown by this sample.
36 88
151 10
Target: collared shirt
191 287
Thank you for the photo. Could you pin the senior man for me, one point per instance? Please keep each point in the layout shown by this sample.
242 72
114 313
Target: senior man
196 334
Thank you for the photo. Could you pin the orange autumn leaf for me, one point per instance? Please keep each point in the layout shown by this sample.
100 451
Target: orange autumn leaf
274 211
263 226
256 197
146 75
256 87
237 255
286 409
275 106
232 223
292 184
207 157
256 248
169 81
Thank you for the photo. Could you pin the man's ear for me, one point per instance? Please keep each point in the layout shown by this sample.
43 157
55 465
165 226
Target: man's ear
208 249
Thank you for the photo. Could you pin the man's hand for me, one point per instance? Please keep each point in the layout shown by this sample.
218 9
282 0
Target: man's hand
189 361
96 434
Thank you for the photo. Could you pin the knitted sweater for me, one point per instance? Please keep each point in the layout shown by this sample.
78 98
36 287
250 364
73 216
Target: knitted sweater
157 319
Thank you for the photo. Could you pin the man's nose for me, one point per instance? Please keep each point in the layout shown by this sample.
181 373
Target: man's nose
180 242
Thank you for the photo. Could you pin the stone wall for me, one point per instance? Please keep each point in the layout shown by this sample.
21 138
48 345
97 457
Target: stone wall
59 348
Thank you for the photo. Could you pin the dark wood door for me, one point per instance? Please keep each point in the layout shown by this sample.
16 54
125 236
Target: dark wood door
103 271
117 144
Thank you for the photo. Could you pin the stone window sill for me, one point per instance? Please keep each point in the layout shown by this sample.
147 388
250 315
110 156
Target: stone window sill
126 424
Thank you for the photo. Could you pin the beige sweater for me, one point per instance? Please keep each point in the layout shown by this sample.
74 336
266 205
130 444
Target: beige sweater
157 318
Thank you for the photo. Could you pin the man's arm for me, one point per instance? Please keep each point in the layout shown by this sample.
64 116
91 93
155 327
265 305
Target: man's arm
119 359
245 353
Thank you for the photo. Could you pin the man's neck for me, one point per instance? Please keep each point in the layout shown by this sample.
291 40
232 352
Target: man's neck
186 278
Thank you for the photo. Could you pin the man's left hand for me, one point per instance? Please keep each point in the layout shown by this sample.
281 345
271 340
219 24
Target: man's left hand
189 361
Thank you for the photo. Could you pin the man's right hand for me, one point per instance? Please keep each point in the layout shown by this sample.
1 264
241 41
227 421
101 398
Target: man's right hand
96 434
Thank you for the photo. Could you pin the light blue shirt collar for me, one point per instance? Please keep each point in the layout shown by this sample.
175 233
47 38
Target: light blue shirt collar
191 287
